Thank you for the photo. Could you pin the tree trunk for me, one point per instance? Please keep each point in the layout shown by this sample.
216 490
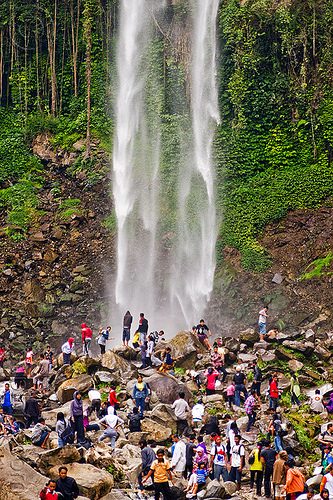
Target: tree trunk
1 62
75 36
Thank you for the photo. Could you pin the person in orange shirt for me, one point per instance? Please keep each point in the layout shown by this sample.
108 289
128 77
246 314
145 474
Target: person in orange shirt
294 481
161 469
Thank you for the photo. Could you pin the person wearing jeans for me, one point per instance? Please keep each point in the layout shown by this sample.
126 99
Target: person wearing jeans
239 381
77 416
111 422
256 471
219 459
249 405
267 458
140 394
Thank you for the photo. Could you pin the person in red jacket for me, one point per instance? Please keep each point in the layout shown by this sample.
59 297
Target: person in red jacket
86 338
49 493
112 396
274 393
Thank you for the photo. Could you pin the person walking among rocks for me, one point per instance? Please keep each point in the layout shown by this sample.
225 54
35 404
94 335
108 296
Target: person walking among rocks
67 348
267 457
181 408
218 362
294 481
86 338
31 410
140 394
2 355
28 361
262 323
211 375
279 475
249 406
143 328
201 330
219 459
161 469
239 380
134 420
77 416
103 336
147 456
237 462
111 422
274 393
67 486
49 356
42 374
112 398
178 461
257 378
127 323
256 469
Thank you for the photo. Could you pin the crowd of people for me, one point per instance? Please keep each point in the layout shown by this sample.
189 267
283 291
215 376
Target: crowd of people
201 446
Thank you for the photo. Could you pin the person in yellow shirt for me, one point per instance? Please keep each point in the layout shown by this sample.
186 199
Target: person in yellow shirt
161 469
256 470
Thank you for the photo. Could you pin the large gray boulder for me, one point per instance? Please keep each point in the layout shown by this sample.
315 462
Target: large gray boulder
18 481
305 348
93 483
215 490
66 390
164 415
186 345
58 456
165 386
249 336
117 365
157 432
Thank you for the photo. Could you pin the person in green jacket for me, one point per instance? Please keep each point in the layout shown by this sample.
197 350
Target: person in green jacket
295 390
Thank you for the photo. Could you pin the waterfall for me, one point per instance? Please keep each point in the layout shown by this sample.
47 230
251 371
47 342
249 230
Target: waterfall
172 284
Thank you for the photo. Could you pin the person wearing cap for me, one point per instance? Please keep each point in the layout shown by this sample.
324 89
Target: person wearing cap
67 348
239 382
219 459
40 433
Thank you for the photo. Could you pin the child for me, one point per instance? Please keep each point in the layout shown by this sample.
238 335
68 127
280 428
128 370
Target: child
192 483
231 394
28 360
49 493
201 478
12 427
143 348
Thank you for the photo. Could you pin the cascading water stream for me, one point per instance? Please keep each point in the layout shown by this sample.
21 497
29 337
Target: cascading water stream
173 284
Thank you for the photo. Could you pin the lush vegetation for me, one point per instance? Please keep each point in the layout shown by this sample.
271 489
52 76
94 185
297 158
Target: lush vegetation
274 145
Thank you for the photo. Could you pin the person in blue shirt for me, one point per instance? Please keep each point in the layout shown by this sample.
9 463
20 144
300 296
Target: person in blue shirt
140 394
7 404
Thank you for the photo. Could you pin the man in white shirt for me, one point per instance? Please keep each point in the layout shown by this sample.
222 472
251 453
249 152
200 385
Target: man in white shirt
178 461
95 398
181 408
262 323
237 461
198 411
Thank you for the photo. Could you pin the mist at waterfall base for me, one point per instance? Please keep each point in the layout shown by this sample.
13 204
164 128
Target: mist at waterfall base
166 214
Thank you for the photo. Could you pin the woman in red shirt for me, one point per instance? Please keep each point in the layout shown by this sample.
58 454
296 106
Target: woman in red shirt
113 397
211 374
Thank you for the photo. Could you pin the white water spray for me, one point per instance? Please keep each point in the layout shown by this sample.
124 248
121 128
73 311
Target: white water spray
182 292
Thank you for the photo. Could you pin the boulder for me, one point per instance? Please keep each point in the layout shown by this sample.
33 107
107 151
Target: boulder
314 481
322 353
230 488
28 452
128 461
93 483
60 359
125 352
58 456
309 335
134 437
64 373
325 390
277 279
269 357
186 345
249 336
17 479
247 358
303 380
282 354
81 383
232 344
105 377
157 432
118 365
215 489
165 386
305 348
295 365
164 415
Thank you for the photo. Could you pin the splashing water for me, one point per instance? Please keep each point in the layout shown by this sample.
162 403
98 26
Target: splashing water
173 285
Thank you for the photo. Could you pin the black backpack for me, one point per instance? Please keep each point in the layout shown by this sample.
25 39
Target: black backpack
68 435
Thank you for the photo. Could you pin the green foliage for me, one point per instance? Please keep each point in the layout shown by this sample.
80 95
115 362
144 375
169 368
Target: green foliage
116 473
69 203
317 267
110 222
179 370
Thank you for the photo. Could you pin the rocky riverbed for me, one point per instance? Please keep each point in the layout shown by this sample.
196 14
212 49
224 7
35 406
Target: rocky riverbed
103 476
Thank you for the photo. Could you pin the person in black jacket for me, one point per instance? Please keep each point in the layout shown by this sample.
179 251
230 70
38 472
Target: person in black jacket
147 457
135 420
257 378
32 410
67 486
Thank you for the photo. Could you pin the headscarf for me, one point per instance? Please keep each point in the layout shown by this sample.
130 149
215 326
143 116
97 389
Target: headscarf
77 405
200 457
110 410
70 341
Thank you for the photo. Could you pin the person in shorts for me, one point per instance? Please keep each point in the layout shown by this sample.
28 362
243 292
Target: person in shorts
201 330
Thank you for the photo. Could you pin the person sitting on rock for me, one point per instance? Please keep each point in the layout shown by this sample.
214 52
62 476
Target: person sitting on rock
134 419
12 427
201 330
67 348
87 426
316 402
168 365
195 377
67 486
201 473
31 410
40 433
48 492
95 398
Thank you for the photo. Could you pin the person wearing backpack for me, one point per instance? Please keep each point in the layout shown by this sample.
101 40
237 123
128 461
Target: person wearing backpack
275 428
256 469
257 378
134 419
103 336
219 459
237 462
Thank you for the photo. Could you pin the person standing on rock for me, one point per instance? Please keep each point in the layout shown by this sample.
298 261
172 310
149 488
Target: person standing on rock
219 459
134 420
237 462
142 328
77 416
257 378
201 330
140 394
178 461
239 381
256 469
218 362
211 375
86 338
49 356
28 361
112 398
161 469
103 336
31 410
267 457
147 456
7 404
127 323
95 398
294 481
295 390
249 406
279 475
42 374
327 482
67 486
181 407
274 393
67 348
262 323
2 355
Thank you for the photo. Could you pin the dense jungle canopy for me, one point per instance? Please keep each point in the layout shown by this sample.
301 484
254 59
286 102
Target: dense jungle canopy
273 147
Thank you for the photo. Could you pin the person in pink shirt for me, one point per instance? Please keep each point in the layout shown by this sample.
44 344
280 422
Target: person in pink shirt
231 394
211 374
